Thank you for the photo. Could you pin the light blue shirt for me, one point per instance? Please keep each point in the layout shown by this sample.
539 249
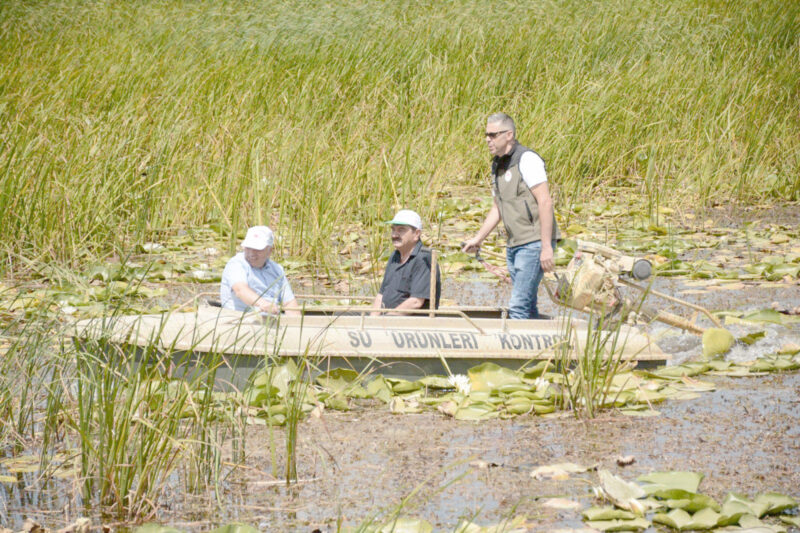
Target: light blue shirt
269 282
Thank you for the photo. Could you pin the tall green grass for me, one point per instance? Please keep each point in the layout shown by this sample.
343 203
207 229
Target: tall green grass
136 431
118 119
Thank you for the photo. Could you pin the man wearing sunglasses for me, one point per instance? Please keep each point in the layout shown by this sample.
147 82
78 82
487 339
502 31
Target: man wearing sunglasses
522 201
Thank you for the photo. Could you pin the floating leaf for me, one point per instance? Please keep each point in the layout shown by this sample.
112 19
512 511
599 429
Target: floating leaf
403 386
622 493
749 522
515 525
519 406
558 471
751 338
378 388
436 382
659 481
235 528
337 380
476 411
607 513
791 520
488 376
775 502
156 528
561 503
399 406
765 315
636 524
689 502
738 503
643 412
680 519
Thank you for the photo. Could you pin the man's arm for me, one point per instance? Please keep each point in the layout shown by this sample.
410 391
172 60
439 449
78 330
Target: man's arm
411 303
247 295
376 304
542 194
492 219
291 308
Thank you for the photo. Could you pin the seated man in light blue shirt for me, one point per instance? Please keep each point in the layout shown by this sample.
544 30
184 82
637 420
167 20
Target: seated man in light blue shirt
251 281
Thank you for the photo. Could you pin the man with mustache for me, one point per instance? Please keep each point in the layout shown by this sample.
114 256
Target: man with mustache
522 201
251 281
407 279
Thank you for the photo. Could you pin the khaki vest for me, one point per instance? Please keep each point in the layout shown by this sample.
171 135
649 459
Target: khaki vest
518 207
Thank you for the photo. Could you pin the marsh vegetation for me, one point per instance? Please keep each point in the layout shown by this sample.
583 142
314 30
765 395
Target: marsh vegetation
139 140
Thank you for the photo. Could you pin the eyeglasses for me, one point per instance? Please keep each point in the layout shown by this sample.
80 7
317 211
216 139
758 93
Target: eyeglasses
493 134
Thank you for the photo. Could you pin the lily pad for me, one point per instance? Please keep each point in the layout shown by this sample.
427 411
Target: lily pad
607 513
749 522
156 528
560 471
637 524
751 338
622 493
739 503
235 528
776 502
791 520
378 388
476 411
489 376
681 520
663 481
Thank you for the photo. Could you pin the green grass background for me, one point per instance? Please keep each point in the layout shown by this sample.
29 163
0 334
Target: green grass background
119 119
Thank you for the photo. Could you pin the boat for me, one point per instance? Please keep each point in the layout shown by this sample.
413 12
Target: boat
449 340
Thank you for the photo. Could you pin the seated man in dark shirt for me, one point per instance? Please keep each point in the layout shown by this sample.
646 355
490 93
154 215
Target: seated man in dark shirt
407 280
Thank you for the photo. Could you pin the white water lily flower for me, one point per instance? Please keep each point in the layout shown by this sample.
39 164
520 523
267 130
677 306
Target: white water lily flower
540 383
152 247
461 383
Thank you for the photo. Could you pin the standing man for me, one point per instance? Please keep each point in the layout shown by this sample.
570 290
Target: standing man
522 201
407 279
251 280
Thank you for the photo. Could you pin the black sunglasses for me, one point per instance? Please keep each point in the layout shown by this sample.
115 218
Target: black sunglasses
493 134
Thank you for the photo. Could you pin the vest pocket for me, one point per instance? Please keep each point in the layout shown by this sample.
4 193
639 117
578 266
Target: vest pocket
528 210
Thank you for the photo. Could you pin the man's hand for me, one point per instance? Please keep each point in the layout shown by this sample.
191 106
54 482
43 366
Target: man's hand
546 259
472 245
267 307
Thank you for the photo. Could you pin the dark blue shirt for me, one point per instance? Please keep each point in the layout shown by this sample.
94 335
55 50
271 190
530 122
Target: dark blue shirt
411 279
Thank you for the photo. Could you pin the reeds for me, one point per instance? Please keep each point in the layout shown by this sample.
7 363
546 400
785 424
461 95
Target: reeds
133 425
120 119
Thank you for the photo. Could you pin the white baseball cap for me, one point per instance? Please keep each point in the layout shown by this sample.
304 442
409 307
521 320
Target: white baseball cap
258 238
407 217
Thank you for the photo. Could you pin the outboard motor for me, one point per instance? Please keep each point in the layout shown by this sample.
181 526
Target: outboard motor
591 281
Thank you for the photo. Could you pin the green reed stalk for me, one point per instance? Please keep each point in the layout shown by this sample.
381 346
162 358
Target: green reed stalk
135 428
587 371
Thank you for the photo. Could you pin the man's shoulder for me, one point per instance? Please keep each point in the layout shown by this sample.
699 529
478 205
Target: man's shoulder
423 255
237 259
274 266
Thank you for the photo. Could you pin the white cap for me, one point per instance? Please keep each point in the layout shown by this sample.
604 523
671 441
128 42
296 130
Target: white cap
258 238
407 217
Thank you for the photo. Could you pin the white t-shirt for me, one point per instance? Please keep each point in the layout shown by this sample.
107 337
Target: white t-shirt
269 282
531 166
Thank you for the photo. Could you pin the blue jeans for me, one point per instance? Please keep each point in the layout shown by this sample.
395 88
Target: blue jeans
526 274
